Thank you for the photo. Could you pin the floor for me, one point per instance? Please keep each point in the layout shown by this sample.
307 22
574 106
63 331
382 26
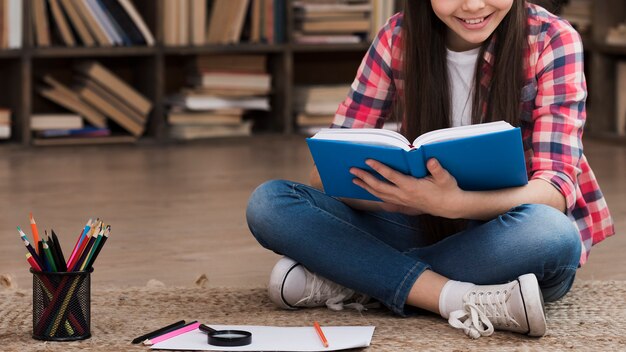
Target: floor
178 211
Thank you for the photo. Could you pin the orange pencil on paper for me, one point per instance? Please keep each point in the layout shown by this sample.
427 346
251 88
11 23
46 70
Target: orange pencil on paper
33 227
320 333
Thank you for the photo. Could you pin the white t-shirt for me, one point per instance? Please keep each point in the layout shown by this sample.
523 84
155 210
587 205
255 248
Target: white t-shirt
461 68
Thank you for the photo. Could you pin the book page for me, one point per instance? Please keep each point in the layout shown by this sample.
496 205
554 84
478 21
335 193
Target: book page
452 133
372 136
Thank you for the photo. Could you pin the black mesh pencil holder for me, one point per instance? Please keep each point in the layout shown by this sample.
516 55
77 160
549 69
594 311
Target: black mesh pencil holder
61 305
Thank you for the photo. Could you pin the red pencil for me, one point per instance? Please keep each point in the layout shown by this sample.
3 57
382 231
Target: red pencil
320 333
32 262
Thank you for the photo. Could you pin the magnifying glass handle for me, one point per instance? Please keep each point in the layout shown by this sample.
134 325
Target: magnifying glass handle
206 329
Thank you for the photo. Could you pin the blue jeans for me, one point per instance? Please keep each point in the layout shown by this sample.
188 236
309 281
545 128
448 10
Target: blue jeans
381 254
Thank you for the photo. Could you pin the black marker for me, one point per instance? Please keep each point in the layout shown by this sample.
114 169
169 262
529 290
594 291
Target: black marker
161 331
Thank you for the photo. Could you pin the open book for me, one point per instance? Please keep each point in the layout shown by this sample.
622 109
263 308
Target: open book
480 157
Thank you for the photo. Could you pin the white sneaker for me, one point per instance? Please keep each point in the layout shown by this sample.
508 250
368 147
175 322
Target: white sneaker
292 286
516 306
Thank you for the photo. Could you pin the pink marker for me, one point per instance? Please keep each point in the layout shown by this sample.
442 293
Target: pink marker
189 327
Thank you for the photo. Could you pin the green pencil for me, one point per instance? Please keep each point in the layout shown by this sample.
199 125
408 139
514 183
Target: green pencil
46 250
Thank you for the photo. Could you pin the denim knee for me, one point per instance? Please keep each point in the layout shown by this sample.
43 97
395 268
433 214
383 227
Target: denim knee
553 231
263 208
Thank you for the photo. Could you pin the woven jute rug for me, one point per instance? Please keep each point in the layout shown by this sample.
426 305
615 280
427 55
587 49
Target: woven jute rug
591 317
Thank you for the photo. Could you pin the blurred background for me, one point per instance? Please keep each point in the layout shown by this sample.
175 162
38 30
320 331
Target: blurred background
161 117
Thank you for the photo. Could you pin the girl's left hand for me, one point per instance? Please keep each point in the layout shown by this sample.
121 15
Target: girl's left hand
436 194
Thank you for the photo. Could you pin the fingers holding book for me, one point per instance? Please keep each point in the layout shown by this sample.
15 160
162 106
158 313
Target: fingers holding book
408 194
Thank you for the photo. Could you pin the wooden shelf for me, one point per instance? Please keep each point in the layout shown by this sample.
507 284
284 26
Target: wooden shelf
618 50
44 142
11 54
93 51
244 48
330 47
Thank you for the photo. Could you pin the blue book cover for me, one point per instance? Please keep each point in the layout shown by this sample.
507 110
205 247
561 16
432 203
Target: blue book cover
487 161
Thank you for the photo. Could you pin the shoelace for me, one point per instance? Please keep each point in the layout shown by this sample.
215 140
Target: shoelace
334 295
475 319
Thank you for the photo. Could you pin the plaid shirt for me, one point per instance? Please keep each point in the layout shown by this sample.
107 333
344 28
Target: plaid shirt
552 118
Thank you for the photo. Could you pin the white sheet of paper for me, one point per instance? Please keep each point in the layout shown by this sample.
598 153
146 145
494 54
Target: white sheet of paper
274 338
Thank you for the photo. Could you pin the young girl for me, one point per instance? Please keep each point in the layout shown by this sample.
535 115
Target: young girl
482 260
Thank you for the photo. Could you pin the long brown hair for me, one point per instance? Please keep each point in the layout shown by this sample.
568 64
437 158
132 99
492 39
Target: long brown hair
426 102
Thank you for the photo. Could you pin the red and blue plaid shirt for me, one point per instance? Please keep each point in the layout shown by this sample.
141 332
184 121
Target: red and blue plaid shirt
552 119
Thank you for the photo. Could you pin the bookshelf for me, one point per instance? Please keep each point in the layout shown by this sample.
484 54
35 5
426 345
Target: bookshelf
155 71
603 61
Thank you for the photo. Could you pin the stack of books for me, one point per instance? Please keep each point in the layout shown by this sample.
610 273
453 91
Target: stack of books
338 21
11 24
5 123
88 23
200 22
316 106
578 13
221 88
97 95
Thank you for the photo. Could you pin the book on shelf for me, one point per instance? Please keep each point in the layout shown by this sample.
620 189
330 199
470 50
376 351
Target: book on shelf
93 94
200 22
98 94
319 100
621 98
332 22
260 83
11 24
5 123
65 97
302 38
382 10
210 102
89 131
214 131
210 117
114 84
40 122
95 22
40 20
480 157
78 23
60 24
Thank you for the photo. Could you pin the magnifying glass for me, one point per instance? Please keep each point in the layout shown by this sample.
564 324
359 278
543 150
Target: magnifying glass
227 337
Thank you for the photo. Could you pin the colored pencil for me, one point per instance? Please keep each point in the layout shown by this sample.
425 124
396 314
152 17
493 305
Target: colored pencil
185 328
59 251
79 251
48 253
53 252
92 250
42 255
161 331
320 333
79 242
31 250
84 253
32 262
33 227
95 255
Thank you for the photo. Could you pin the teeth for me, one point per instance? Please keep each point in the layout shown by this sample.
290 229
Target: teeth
474 21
